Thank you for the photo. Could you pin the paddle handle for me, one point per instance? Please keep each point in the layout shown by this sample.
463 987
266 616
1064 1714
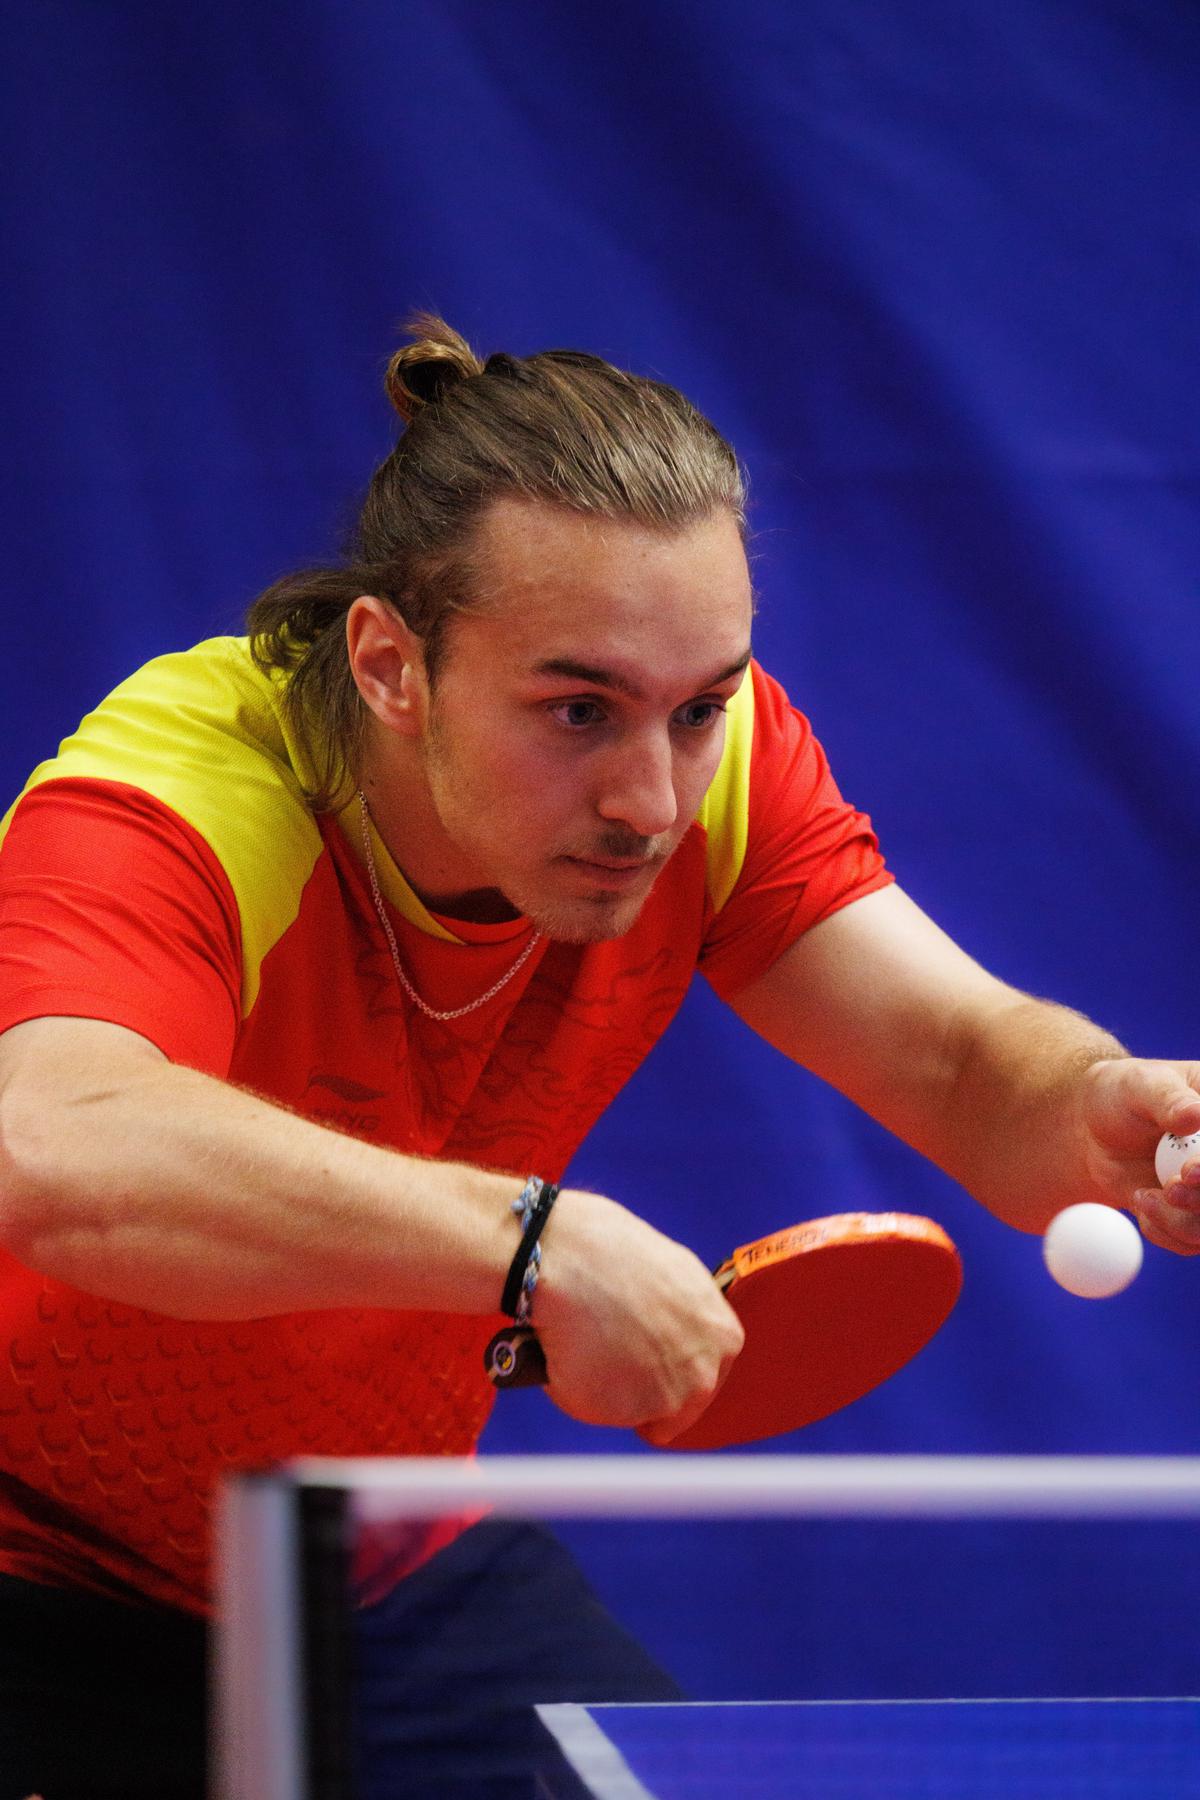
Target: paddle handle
514 1358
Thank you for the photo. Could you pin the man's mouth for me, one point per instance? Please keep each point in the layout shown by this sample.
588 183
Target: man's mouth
620 871
614 862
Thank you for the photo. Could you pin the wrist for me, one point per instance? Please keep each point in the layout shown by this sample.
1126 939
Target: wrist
531 1208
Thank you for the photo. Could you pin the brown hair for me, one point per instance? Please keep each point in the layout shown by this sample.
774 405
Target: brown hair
561 427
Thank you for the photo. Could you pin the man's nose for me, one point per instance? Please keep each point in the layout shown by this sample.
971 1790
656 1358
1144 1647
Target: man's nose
638 790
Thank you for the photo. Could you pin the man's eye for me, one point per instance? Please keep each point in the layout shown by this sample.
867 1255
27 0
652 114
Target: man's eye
699 713
577 712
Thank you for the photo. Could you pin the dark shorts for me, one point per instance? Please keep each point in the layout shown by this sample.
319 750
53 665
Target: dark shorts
102 1701
98 1698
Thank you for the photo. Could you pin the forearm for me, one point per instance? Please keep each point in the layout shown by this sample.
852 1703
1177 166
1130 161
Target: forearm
1011 1130
168 1189
1031 1107
154 1185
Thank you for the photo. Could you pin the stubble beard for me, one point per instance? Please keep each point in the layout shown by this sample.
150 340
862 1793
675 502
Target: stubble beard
595 918
580 921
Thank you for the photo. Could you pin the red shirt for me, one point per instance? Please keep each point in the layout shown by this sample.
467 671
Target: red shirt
164 872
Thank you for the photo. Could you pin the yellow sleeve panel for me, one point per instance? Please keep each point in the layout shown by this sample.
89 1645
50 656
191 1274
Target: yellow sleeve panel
202 731
725 809
392 883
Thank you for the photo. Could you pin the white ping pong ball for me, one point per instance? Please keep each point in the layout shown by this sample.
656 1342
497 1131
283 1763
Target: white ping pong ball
1172 1153
1092 1251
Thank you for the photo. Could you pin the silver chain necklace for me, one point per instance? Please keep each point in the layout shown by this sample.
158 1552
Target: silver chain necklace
429 1011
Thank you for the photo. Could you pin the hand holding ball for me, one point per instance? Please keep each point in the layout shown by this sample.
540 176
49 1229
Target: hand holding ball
1092 1251
1095 1251
1171 1155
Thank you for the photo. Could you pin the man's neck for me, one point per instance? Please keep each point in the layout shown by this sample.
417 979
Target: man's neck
482 906
405 818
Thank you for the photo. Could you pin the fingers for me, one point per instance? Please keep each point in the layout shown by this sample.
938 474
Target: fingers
1128 1106
1164 1094
1182 1114
1170 1216
659 1435
1170 1219
662 1430
659 1432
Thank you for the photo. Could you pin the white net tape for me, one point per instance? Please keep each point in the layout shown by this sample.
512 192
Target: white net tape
719 1486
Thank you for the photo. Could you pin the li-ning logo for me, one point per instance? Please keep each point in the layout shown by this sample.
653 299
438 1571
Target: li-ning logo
353 1095
344 1088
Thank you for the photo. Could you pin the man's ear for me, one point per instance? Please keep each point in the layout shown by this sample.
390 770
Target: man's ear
387 660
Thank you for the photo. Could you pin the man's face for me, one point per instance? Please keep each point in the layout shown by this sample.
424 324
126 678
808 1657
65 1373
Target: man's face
577 718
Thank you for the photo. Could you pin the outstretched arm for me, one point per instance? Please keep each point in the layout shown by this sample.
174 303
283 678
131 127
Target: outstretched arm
1027 1104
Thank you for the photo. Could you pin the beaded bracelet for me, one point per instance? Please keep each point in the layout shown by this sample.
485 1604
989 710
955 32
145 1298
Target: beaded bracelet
533 1207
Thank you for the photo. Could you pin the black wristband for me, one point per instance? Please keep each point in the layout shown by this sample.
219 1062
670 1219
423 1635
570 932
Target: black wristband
514 1285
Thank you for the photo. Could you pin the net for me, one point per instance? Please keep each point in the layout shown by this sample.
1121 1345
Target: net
847 1592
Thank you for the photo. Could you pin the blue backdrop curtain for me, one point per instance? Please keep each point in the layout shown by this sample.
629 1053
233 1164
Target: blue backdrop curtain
932 266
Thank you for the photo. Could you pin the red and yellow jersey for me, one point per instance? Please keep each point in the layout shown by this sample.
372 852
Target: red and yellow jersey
165 873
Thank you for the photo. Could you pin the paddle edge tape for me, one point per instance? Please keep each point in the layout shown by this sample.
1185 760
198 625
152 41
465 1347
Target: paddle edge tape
839 1228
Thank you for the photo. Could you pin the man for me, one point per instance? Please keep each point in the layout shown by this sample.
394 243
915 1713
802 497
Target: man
317 953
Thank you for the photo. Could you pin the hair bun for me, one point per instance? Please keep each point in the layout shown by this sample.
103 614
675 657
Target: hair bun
501 363
422 371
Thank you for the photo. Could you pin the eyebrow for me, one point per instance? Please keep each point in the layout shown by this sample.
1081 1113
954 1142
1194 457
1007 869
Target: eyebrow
592 676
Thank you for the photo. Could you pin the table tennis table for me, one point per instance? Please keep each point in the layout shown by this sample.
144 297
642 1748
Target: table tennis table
1118 1749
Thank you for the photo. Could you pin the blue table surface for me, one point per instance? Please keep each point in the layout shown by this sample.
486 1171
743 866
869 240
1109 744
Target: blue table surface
1135 1749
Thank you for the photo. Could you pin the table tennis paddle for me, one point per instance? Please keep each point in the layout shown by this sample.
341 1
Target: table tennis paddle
830 1309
